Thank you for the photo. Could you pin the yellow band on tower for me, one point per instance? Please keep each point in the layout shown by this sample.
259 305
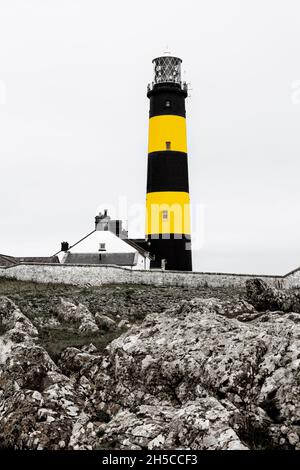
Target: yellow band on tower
168 212
167 129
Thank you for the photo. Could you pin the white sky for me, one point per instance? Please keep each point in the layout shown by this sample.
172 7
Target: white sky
74 122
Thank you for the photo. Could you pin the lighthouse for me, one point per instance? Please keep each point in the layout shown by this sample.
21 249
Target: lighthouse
168 232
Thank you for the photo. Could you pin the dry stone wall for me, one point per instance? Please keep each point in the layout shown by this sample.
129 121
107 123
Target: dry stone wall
292 279
106 274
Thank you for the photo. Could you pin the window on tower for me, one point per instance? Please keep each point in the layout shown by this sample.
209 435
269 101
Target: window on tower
168 145
168 104
164 215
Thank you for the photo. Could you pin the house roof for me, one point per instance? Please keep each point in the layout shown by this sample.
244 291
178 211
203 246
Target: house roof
37 259
138 245
6 260
120 259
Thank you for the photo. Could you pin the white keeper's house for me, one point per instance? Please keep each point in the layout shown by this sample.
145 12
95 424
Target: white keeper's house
108 243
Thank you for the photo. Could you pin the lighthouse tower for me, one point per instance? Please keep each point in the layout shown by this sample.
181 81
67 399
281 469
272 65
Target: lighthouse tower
167 202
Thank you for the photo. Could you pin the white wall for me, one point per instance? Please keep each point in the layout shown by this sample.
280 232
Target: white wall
142 262
113 244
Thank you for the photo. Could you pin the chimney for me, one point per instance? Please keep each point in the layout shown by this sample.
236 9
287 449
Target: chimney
64 246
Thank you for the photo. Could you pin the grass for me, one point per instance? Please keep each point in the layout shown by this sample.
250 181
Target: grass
130 302
56 340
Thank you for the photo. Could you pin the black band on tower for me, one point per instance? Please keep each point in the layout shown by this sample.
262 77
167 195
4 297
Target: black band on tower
177 252
167 100
167 171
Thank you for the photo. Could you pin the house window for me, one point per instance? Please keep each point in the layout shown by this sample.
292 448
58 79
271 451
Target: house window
168 145
164 215
102 247
168 104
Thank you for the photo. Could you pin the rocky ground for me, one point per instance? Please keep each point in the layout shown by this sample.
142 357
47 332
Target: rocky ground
139 367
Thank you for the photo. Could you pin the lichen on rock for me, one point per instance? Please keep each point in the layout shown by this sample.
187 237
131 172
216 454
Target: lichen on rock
209 372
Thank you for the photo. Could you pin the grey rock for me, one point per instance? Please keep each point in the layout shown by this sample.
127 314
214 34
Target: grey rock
265 297
193 358
39 406
104 322
204 374
69 312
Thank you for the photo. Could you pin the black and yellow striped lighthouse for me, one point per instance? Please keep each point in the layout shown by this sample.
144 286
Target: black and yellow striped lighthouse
168 229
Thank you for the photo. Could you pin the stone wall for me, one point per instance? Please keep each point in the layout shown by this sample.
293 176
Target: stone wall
107 274
67 274
292 279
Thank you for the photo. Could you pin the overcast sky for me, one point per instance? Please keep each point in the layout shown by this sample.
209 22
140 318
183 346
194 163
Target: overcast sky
74 122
